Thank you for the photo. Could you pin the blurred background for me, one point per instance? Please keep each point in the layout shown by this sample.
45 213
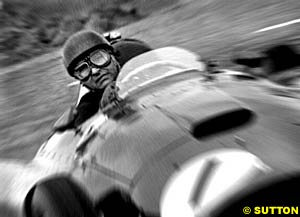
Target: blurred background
33 81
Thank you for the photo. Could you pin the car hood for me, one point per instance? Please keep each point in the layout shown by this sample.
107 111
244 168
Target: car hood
126 148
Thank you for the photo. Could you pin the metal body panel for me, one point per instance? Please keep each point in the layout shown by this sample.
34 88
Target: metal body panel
140 152
276 130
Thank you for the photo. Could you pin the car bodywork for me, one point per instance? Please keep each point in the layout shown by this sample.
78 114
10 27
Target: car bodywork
180 120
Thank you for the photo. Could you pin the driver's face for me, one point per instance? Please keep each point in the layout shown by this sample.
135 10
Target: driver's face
101 77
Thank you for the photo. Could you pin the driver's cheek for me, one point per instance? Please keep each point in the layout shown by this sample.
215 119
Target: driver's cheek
113 68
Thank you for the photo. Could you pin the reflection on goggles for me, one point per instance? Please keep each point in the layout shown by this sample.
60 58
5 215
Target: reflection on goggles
98 59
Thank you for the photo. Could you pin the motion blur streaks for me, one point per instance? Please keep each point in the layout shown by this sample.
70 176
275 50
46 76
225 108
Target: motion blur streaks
34 93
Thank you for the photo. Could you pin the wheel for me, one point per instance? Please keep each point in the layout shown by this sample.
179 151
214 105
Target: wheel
59 197
117 202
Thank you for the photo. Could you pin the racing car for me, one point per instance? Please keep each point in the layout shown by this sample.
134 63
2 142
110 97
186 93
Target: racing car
178 144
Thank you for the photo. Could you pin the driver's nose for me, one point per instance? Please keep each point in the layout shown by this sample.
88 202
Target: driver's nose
95 71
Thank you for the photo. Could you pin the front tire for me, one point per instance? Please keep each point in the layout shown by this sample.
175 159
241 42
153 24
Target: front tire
59 197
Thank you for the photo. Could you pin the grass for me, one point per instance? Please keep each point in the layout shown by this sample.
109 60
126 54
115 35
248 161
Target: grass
32 28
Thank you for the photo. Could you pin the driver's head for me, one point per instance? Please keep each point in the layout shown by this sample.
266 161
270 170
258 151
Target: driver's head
89 57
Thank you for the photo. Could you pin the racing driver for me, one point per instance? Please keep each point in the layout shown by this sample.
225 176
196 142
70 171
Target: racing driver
90 58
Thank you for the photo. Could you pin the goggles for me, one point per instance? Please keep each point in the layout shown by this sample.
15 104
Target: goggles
96 59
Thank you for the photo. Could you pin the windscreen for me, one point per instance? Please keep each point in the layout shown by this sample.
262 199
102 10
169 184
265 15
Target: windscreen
156 64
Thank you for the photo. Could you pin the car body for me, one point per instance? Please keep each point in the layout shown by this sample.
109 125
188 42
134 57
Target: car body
181 126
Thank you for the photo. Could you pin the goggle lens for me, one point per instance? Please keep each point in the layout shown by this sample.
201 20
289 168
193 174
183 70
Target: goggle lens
99 58
82 71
